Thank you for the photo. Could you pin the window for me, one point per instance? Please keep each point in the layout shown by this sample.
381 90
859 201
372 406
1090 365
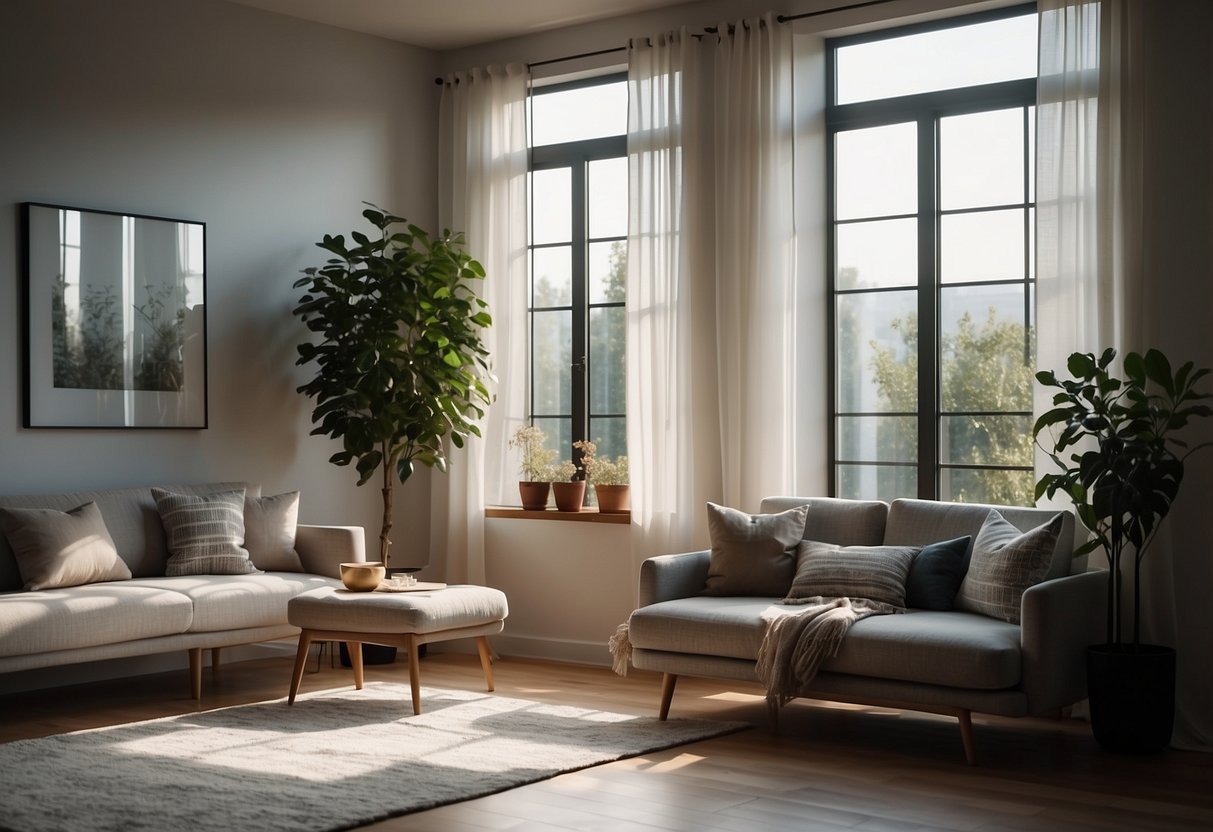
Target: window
578 251
932 210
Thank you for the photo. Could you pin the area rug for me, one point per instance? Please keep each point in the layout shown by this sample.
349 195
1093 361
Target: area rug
333 760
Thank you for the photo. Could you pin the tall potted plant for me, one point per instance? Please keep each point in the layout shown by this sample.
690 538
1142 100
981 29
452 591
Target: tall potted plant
1123 474
400 367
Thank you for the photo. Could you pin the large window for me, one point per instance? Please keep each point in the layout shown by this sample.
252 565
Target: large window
932 213
579 219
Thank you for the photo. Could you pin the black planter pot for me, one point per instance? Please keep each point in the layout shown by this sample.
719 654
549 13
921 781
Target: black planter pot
376 654
1132 695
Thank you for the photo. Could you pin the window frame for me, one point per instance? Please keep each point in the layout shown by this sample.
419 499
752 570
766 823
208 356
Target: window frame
925 110
576 156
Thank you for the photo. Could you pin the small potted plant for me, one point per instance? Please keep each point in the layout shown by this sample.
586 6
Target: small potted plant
1122 477
609 477
535 466
568 491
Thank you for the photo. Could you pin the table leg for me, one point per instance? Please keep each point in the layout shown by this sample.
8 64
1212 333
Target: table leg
486 661
305 644
415 674
355 648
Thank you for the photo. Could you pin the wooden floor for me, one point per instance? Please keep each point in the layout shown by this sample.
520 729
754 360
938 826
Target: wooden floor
830 767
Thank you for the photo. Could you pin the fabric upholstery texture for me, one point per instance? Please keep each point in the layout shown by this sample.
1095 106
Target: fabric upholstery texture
87 616
877 573
58 549
230 602
397 612
729 627
205 533
1005 562
753 554
269 532
835 520
936 573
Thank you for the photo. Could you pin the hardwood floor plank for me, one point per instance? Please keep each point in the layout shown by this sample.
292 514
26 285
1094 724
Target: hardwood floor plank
832 767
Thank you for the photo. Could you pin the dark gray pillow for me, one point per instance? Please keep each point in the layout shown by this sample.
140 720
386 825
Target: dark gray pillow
1004 564
877 573
753 554
936 574
205 534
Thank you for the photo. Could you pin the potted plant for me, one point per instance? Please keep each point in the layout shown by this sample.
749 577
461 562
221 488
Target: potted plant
609 477
1123 475
400 368
568 491
535 466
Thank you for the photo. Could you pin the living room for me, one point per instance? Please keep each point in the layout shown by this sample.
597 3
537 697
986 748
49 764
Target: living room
273 130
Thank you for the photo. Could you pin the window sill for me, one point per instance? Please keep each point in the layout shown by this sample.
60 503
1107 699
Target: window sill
586 515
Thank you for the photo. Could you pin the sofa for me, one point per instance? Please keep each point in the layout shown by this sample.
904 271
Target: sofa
150 613
947 662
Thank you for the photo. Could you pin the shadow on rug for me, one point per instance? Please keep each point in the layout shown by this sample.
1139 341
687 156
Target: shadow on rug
335 760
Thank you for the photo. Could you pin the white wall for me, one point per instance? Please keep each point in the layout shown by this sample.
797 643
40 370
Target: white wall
270 130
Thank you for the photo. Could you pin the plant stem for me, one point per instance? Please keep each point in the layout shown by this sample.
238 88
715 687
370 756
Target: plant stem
385 528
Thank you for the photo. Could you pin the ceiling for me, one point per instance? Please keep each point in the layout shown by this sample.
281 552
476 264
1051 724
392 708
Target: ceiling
455 23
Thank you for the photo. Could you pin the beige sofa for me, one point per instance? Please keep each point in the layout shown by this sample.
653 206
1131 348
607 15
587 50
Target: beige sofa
151 613
941 662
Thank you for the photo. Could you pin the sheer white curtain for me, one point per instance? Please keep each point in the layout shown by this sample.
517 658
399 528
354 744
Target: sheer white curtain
713 335
482 192
1124 256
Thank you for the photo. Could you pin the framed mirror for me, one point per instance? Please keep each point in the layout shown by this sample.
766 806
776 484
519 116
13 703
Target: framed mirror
115 319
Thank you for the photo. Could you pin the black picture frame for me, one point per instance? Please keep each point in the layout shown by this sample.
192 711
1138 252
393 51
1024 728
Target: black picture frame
114 313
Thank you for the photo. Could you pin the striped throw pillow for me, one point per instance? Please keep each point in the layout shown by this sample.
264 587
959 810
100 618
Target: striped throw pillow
877 573
1004 564
205 534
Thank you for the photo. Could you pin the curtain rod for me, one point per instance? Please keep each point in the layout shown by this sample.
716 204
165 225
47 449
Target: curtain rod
783 18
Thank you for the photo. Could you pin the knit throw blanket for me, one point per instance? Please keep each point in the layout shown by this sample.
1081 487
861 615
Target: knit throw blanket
797 641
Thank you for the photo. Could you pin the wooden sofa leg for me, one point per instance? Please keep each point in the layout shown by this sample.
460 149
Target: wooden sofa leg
196 672
966 736
668 680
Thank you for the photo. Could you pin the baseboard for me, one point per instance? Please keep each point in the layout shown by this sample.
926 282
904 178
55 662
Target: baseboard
88 672
554 649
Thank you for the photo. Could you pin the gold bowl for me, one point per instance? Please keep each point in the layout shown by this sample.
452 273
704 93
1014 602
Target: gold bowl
362 577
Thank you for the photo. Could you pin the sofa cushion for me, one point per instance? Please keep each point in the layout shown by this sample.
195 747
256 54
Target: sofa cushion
877 573
130 516
753 554
62 548
269 531
86 616
730 627
230 602
936 573
835 520
1005 562
205 533
953 649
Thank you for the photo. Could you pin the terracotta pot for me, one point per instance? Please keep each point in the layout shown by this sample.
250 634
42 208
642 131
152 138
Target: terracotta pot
613 499
570 496
534 495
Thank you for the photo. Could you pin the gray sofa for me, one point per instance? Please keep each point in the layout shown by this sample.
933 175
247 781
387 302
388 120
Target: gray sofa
950 663
151 613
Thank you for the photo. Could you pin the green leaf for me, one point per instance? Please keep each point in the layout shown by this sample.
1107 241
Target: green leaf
1158 370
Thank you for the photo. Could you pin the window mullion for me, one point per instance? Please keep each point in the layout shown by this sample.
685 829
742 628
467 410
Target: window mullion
928 306
580 352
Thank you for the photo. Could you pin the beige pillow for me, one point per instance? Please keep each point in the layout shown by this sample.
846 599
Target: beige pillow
1005 562
269 532
57 549
877 573
753 554
205 534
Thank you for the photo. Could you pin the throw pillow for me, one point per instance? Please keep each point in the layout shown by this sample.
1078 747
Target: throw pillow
877 573
936 573
753 554
205 533
269 532
1004 564
57 548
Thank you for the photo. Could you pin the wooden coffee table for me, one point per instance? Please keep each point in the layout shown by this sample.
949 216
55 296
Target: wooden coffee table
404 620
